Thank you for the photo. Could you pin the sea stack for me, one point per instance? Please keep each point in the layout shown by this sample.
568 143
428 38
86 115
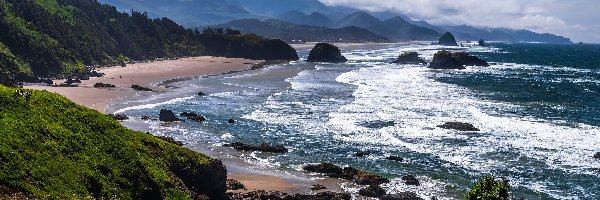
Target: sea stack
325 52
411 58
447 60
447 39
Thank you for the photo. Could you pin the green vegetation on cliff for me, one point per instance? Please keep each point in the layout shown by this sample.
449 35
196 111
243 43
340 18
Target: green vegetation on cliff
51 147
489 188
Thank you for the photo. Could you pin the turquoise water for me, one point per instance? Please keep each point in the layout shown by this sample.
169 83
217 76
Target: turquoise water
537 108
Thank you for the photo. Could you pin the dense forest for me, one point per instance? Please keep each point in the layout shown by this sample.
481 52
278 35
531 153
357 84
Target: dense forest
54 38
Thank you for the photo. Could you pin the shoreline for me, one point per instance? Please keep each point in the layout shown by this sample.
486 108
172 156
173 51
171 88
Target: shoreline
157 76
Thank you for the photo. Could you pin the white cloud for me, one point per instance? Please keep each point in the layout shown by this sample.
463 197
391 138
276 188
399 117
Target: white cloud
568 18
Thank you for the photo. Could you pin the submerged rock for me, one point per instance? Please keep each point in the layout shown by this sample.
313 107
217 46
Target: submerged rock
362 153
325 52
193 116
372 191
447 60
368 178
140 88
401 196
104 85
458 126
231 121
410 180
395 158
597 156
447 39
411 58
119 117
167 116
201 94
263 147
235 185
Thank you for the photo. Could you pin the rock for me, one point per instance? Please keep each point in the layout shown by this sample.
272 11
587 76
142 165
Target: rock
447 60
261 194
119 117
597 155
410 180
71 81
395 158
231 121
48 81
322 196
325 52
368 178
104 85
171 140
458 126
235 185
447 39
201 94
318 187
401 196
140 88
481 43
146 118
324 168
193 116
411 58
362 153
263 147
167 116
372 191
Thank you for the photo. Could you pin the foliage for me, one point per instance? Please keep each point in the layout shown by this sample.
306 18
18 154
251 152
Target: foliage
51 147
489 188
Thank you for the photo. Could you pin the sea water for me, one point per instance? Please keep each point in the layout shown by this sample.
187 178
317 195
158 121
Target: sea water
537 105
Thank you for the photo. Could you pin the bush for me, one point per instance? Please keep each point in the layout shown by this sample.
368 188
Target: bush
489 188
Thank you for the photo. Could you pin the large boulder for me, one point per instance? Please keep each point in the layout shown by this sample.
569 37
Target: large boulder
448 60
325 52
372 191
167 116
402 196
461 126
411 58
349 173
597 156
447 39
410 180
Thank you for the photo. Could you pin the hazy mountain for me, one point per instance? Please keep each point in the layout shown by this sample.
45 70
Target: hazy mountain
314 19
465 32
273 8
293 32
395 28
358 19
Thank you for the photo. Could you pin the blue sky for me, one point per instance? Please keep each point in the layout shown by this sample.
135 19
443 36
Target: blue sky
576 19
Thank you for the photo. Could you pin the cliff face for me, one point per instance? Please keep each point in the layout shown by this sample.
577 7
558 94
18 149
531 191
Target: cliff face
51 147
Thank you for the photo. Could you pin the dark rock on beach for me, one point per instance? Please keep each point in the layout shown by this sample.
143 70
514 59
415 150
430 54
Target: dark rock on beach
368 178
263 147
410 180
140 88
119 117
411 58
401 196
348 173
447 39
235 185
325 52
458 126
447 60
104 85
167 116
395 158
260 194
318 187
372 191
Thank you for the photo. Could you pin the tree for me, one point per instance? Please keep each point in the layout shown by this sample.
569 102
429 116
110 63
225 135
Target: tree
489 188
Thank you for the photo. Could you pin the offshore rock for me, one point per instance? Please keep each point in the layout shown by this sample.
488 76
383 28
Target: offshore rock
325 52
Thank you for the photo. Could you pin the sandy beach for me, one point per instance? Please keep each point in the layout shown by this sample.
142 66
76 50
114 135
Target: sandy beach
151 75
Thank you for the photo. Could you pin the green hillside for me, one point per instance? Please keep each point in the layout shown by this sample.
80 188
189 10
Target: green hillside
51 147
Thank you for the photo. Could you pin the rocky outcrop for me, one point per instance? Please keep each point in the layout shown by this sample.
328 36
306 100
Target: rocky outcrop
395 158
372 191
597 156
318 187
447 60
193 116
104 85
140 88
461 126
401 196
235 185
347 173
167 116
262 147
170 140
410 180
260 194
447 39
410 58
119 117
325 52
202 179
481 43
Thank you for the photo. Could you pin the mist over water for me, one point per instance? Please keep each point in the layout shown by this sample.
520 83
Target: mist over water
539 118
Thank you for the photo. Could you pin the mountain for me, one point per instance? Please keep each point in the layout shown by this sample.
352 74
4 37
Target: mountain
314 19
293 32
465 32
60 38
395 28
273 8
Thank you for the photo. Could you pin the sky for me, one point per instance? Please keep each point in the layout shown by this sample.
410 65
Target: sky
576 19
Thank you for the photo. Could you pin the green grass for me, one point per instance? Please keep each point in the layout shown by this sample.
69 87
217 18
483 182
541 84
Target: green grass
51 147
489 188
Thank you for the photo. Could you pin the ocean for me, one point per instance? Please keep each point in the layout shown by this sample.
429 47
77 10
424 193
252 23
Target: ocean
537 105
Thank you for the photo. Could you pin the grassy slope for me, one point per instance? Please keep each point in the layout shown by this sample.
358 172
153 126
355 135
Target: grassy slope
49 146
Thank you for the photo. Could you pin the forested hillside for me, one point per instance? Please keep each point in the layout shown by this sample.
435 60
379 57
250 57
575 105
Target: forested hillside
52 38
